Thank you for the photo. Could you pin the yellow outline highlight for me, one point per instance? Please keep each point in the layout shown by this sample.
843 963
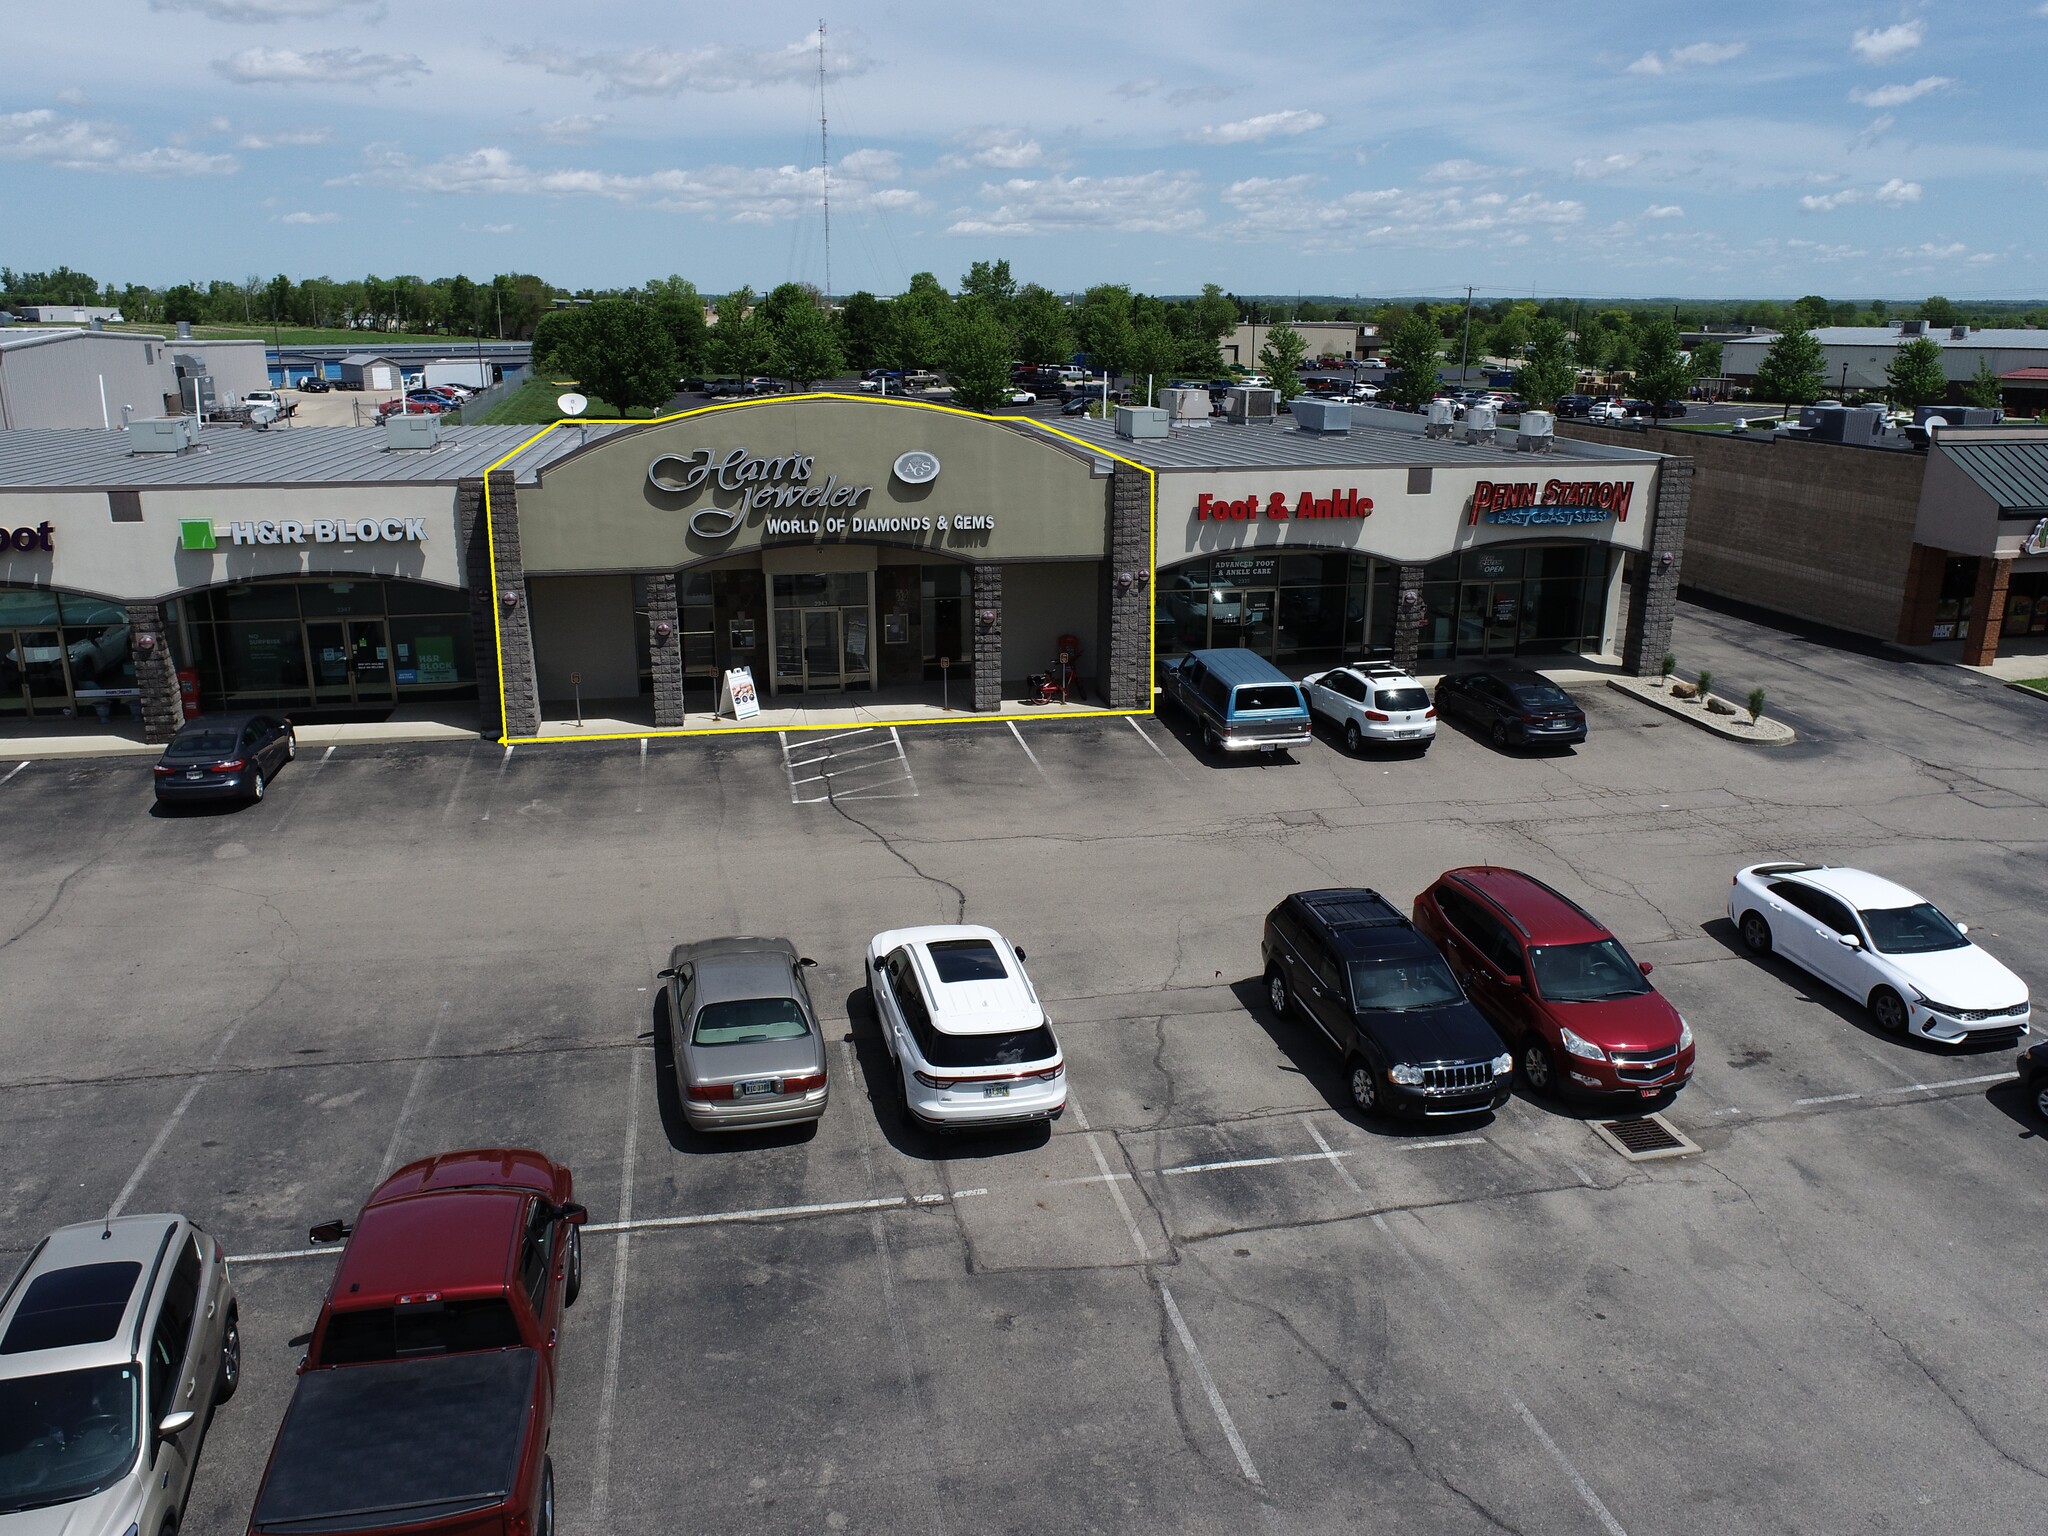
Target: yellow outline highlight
1151 576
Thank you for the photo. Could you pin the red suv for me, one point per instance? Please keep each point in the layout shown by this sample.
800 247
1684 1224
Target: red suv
1560 989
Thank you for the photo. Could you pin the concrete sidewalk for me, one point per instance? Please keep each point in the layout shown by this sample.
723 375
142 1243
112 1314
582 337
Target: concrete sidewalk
45 739
2022 658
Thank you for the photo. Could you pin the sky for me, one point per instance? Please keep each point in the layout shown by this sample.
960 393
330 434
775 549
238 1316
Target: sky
1594 148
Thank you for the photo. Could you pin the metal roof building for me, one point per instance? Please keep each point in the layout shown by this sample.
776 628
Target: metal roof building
77 378
1856 355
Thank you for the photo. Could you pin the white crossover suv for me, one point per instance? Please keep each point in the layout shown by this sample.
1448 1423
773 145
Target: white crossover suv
1372 701
969 1041
1890 950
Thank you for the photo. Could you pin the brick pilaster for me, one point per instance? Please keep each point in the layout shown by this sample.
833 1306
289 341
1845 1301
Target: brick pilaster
1987 612
513 624
156 671
665 651
1653 600
988 638
1408 615
1124 607
476 575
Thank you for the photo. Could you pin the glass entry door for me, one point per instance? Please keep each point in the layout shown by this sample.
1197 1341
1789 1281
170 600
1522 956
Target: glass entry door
351 661
1489 614
32 675
821 649
369 659
823 627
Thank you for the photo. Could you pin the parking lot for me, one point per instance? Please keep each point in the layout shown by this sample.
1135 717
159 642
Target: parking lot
1210 1299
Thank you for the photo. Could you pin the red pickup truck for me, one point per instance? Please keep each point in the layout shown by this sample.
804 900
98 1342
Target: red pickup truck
425 1400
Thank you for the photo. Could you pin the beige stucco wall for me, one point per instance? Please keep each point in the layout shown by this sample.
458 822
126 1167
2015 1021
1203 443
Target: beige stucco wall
597 511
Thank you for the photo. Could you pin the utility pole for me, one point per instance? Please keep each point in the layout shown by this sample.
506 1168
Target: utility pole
1465 346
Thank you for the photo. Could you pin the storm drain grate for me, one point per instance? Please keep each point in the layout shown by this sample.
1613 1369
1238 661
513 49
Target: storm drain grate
1642 1137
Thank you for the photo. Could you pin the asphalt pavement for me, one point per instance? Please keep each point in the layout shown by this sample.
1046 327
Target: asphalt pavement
1211 1298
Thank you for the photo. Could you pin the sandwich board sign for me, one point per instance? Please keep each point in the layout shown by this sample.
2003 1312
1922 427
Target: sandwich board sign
738 695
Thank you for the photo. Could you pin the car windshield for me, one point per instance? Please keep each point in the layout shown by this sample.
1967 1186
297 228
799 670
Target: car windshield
1586 973
1401 698
966 960
1396 983
1006 1048
203 741
1911 930
1545 694
1260 696
749 1020
67 1435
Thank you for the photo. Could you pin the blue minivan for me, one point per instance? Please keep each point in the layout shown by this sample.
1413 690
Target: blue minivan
1241 701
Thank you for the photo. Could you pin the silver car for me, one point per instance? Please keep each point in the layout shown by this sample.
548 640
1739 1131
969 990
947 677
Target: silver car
118 1339
748 1054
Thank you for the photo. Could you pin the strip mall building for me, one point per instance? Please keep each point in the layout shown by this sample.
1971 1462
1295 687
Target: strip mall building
844 550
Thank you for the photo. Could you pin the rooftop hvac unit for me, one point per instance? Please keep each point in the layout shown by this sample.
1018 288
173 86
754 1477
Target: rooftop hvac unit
421 431
1479 424
1247 404
1185 404
1913 328
1958 333
1841 424
1442 414
1333 416
1537 432
163 434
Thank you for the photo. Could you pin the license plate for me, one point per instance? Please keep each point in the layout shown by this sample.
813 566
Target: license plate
194 773
995 1091
755 1088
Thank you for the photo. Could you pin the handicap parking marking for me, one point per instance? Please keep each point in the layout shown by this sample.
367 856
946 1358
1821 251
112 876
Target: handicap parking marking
816 764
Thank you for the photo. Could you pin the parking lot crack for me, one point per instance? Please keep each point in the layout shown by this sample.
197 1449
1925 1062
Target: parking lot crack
888 843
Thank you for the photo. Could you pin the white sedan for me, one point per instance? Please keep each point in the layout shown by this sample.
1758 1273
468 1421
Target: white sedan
1022 397
1890 950
967 1037
1375 702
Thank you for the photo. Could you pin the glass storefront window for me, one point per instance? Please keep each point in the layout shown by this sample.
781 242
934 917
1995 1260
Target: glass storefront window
262 661
1440 619
340 599
1496 563
432 653
22 609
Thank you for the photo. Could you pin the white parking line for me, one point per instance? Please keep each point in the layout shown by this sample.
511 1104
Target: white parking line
13 771
1336 1159
164 1135
503 763
1028 752
412 1093
764 1213
601 1477
1829 1098
640 788
1115 1188
1146 737
1956 1082
1201 1366
1881 1093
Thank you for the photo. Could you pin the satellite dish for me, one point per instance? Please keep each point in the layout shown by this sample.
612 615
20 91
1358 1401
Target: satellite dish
572 404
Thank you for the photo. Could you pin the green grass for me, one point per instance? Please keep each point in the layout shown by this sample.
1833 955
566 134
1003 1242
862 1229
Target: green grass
2038 684
533 405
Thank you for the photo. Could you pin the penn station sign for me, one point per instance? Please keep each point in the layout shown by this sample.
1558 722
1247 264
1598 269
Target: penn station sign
785 484
1553 503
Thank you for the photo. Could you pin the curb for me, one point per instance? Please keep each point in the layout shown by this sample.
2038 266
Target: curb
2038 693
1765 733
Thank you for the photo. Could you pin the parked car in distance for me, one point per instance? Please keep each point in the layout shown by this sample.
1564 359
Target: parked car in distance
968 1040
427 1392
118 1339
224 757
1579 1014
1410 1040
1239 701
2033 1068
429 397
1078 406
313 384
1372 701
1020 397
1888 949
743 1035
1515 709
1573 405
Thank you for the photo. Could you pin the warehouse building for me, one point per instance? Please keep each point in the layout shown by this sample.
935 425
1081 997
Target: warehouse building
1856 356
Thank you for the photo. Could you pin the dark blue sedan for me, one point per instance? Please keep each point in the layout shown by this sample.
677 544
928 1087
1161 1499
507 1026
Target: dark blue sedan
224 757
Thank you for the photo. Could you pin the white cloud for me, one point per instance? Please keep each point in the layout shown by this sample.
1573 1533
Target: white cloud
1256 130
1289 208
76 144
870 165
1929 251
1897 193
321 66
1877 45
1137 90
996 149
311 218
577 128
264 10
1828 202
712 68
290 137
499 229
1877 128
1664 211
1586 168
1156 202
1898 95
1692 54
1466 170
71 96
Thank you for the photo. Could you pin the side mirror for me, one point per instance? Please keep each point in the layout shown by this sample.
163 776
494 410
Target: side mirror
298 1341
880 964
573 1214
1848 941
668 973
1019 951
1646 967
1514 981
806 961
329 1232
172 1423
1963 928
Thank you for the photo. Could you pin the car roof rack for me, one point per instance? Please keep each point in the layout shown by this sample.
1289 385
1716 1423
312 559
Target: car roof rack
1343 911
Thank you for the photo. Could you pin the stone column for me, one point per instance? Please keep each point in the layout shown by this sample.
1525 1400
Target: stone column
1922 599
1987 612
988 638
511 625
666 651
1653 600
156 671
476 575
1408 615
1123 628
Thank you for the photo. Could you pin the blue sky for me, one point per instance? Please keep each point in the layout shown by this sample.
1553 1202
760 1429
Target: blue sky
1590 148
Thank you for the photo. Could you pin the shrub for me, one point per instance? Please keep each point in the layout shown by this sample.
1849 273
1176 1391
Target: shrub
1704 683
1756 705
1667 666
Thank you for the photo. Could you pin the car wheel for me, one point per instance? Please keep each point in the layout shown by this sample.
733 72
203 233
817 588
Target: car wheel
572 1284
1351 736
1211 742
544 1517
1538 1070
1888 1011
1500 735
1756 933
1365 1087
291 745
256 786
1276 993
230 1358
2041 1099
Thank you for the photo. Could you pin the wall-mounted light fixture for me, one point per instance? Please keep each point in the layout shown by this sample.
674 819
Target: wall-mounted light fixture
1664 560
988 618
510 600
145 642
1127 580
663 630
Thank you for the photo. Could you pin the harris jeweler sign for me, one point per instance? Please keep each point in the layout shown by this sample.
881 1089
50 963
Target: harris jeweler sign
1556 503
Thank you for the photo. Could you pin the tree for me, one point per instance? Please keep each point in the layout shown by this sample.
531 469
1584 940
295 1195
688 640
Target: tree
992 284
1039 326
1214 314
1107 333
1281 357
739 344
1915 374
863 329
1155 355
1938 311
680 308
1417 350
555 339
1790 372
1812 311
977 352
920 319
1983 386
801 345
1663 371
622 355
183 302
1550 371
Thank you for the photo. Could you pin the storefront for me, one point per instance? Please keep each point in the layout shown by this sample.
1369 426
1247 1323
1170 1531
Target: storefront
1978 571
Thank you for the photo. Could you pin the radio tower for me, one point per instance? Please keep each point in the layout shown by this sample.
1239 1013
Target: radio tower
825 165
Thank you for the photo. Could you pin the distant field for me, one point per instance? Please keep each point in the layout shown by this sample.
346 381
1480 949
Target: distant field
533 404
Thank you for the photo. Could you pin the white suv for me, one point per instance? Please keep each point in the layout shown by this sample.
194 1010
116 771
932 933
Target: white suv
970 1043
1892 951
1372 701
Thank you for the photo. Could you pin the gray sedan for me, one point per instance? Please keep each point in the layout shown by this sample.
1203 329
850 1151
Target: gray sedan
748 1053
